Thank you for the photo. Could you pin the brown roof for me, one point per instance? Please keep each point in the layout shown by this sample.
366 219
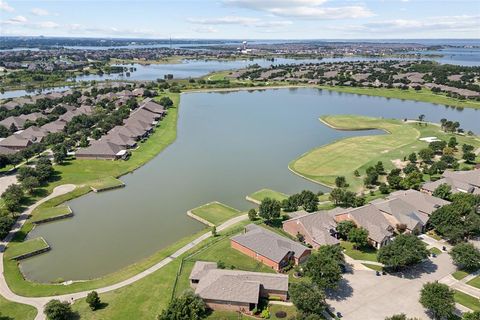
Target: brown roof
15 141
419 200
101 148
318 225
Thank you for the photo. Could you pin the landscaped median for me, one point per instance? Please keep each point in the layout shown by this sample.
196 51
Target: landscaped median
258 196
467 300
475 282
26 249
213 213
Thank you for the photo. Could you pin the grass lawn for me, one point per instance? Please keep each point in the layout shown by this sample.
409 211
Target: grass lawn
259 195
343 157
435 250
106 184
48 213
467 300
215 212
25 247
290 310
475 282
12 310
459 274
373 266
434 235
368 254
424 95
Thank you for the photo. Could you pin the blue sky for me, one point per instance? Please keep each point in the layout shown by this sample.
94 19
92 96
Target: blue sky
243 19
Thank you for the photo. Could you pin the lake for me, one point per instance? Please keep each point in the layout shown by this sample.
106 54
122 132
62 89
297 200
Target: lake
229 145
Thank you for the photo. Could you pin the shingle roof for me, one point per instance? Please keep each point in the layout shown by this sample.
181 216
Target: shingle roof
33 133
17 121
200 268
268 243
421 201
370 218
104 148
236 286
403 212
15 141
120 139
55 126
318 225
152 106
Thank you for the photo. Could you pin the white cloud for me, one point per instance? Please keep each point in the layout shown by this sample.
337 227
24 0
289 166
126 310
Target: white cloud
18 20
242 21
205 29
5 7
302 9
39 12
48 24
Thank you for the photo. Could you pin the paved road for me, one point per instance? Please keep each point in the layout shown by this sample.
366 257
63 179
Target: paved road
6 181
39 302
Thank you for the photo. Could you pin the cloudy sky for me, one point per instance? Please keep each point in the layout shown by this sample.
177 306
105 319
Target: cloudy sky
243 19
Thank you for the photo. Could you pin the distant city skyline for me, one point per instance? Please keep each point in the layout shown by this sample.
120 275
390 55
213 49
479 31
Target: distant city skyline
243 19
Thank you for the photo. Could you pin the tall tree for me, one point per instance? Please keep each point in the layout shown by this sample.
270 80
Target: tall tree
438 298
466 256
358 237
323 269
269 209
405 250
307 298
188 306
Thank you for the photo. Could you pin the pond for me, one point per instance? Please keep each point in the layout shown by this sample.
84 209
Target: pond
229 145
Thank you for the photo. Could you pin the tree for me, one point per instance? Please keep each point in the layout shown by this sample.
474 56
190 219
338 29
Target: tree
371 178
214 231
12 197
309 200
475 315
467 148
421 118
466 256
29 184
405 250
469 157
25 172
358 237
252 214
166 102
43 170
324 270
341 182
438 298
384 189
269 209
401 316
336 196
426 155
412 180
443 191
6 223
188 306
452 143
307 298
412 157
93 300
57 310
59 154
344 227
379 168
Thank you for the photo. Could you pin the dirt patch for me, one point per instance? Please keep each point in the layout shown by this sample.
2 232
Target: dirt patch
399 164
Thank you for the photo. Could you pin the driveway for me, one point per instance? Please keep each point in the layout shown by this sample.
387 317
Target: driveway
363 295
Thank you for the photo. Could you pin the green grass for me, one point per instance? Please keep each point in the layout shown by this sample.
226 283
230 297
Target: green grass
424 95
467 300
475 282
21 248
435 250
259 195
434 235
106 184
48 213
343 157
460 274
12 310
373 266
367 254
216 212
290 310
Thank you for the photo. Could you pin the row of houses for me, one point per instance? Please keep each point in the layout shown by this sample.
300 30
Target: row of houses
116 143
459 181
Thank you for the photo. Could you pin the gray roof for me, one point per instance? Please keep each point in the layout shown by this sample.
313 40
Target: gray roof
15 141
32 116
120 139
238 286
318 225
101 148
55 126
200 269
6 151
419 200
268 243
152 106
17 121
33 133
370 218
403 212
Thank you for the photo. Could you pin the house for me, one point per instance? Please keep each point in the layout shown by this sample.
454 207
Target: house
423 202
154 107
460 181
15 142
18 122
32 116
120 139
131 132
54 127
102 150
316 228
33 133
234 290
6 151
372 219
138 92
269 248
401 214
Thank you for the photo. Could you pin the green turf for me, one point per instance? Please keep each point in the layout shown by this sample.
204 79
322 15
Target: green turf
373 266
106 184
459 274
367 254
215 212
467 300
49 213
435 250
259 195
343 157
475 282
424 95
21 248
16 311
